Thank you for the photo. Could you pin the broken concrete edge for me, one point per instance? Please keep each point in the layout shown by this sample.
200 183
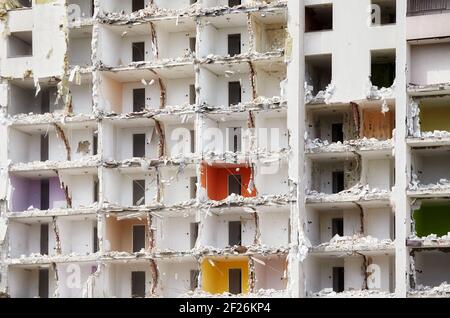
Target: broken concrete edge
259 104
354 244
248 205
358 193
167 63
364 293
364 144
415 188
154 14
105 257
429 241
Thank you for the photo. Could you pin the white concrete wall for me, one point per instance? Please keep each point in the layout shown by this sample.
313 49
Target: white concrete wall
177 186
175 278
431 168
430 64
351 63
124 195
215 229
119 277
73 279
378 173
272 179
49 45
378 222
174 233
274 228
124 142
81 98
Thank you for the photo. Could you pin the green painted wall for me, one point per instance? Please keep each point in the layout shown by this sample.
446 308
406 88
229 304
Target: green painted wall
435 118
432 218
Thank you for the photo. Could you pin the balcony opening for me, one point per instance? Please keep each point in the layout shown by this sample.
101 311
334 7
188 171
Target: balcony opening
233 3
338 279
138 52
222 180
138 192
234 93
194 233
235 233
430 166
137 5
433 112
138 100
337 227
139 145
20 44
193 188
235 139
383 12
337 132
217 277
338 181
318 72
43 283
235 281
138 238
44 240
433 217
194 279
138 284
334 175
383 68
319 17
234 44
234 184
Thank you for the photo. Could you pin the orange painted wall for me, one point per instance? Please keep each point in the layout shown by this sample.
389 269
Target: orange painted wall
215 180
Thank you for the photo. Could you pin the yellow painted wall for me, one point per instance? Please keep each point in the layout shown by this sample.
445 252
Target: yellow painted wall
215 278
435 118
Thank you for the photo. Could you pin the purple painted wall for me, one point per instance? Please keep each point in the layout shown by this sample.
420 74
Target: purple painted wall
27 193
56 193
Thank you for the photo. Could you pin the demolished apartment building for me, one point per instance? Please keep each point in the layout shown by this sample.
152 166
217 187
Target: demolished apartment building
214 148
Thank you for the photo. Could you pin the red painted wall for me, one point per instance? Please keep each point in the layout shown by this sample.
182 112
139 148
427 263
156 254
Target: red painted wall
215 180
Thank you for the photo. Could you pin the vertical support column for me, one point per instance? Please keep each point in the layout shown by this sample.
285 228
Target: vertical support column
296 124
402 160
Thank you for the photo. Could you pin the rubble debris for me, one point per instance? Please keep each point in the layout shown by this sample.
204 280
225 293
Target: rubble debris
416 186
443 290
353 244
357 193
366 293
364 144
431 240
324 96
